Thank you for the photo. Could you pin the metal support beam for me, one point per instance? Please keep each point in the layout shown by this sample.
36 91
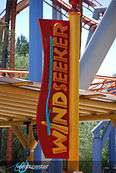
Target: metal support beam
12 36
35 50
112 148
110 129
55 166
9 148
35 44
37 153
96 15
4 62
56 12
99 140
97 156
98 47
1 33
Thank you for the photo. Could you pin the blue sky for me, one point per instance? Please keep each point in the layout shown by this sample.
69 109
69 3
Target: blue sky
22 20
23 17
22 23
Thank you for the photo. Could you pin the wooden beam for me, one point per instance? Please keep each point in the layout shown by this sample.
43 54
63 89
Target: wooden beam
6 118
30 135
91 95
25 98
98 104
11 115
99 117
16 114
94 109
2 126
6 98
86 112
31 143
20 135
14 104
18 90
17 109
9 123
31 140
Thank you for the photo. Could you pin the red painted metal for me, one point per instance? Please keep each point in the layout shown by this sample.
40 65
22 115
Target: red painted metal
65 6
86 20
14 73
9 147
74 3
9 151
104 84
90 3
12 36
89 22
20 6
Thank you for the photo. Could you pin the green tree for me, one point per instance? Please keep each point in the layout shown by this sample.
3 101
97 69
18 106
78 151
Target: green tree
22 46
86 145
22 52
21 62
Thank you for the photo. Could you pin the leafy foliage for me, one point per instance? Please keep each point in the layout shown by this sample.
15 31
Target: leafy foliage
86 140
86 146
22 51
21 62
22 46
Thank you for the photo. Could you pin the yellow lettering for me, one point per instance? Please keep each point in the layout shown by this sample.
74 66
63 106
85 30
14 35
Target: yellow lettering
60 42
59 99
60 30
58 118
61 148
60 54
59 87
60 77
59 66
62 129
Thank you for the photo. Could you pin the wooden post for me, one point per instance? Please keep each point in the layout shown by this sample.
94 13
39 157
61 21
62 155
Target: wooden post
31 143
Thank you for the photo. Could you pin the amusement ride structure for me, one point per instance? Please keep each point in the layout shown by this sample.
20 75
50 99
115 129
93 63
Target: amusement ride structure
97 100
58 5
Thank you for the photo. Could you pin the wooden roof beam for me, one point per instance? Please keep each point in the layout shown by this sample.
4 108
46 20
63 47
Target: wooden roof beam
98 104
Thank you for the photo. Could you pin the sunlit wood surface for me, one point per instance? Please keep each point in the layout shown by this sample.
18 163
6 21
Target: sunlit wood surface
19 100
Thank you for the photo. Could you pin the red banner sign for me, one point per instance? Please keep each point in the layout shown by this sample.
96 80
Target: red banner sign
53 106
